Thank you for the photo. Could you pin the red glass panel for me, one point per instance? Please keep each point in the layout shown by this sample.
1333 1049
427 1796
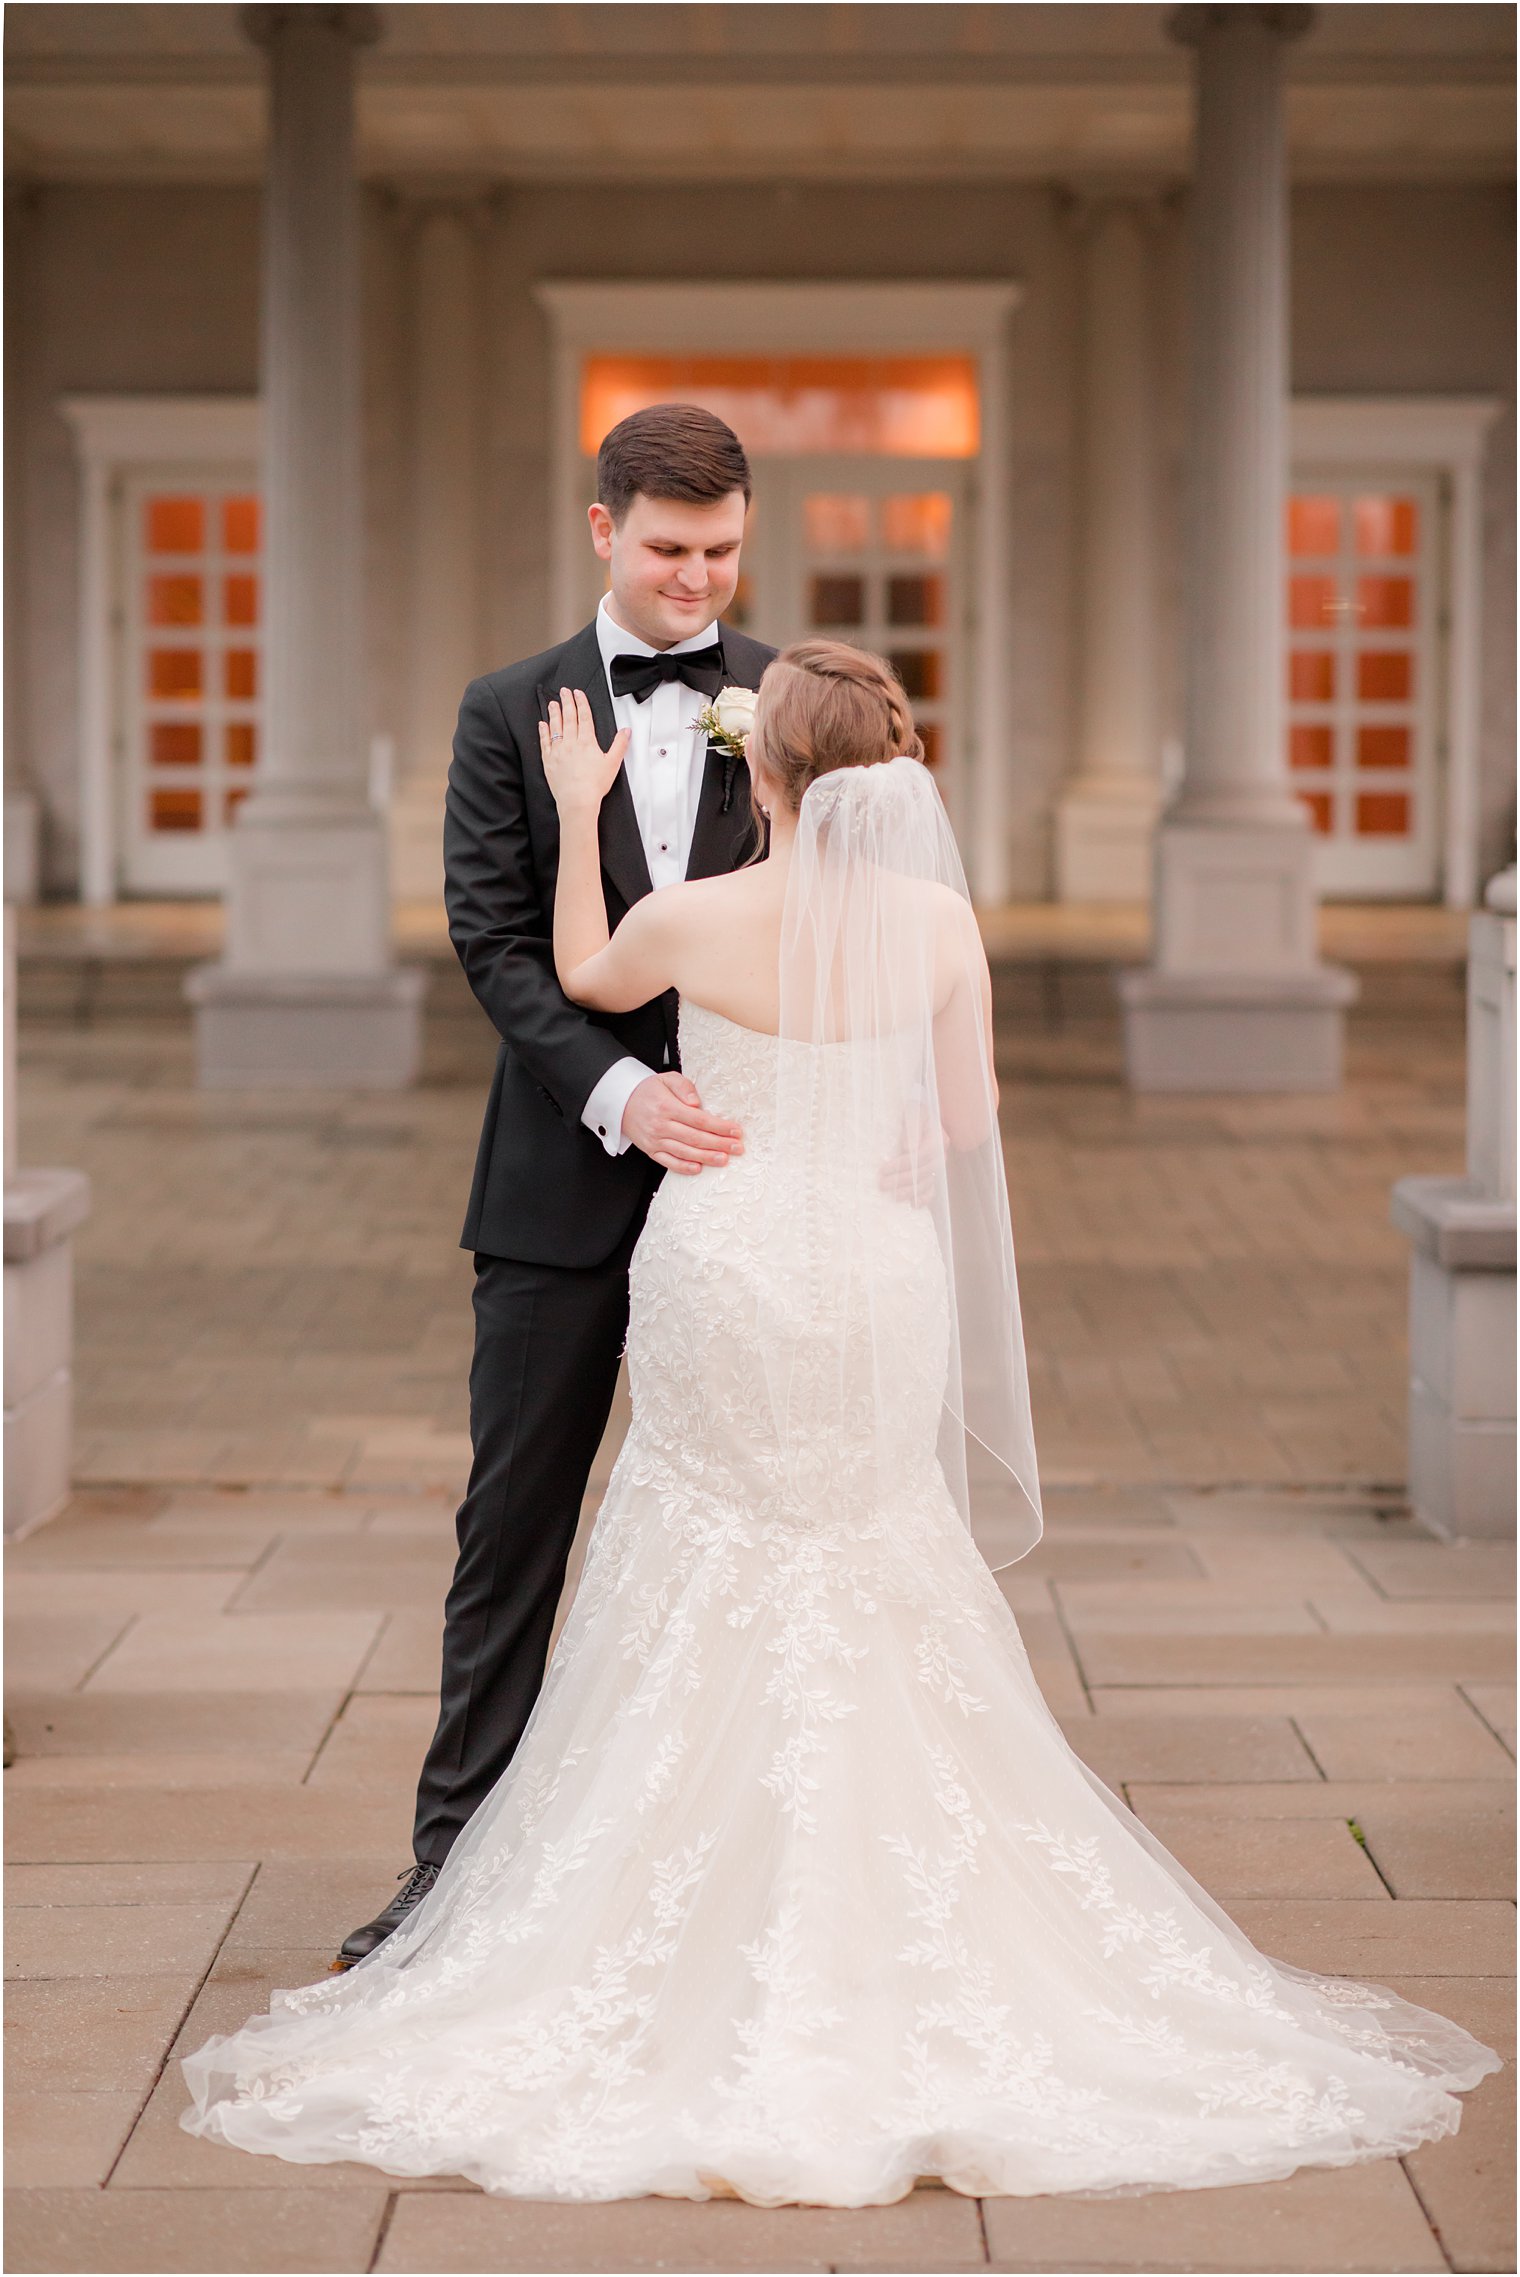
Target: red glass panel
175 525
919 671
916 600
1385 676
174 810
917 522
1382 814
836 522
174 743
241 745
233 799
240 600
1382 747
1311 603
1314 525
1318 803
1385 526
1311 746
174 671
242 672
929 736
836 600
1385 600
240 525
174 600
1311 675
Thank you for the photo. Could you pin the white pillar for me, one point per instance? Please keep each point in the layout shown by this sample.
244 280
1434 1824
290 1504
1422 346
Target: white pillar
307 993
1236 999
1107 816
1462 1267
443 612
42 1208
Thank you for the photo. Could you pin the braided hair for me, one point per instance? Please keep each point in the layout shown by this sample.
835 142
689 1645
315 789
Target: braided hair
825 705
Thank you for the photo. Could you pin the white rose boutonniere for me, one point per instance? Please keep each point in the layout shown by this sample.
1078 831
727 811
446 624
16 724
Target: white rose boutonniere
728 719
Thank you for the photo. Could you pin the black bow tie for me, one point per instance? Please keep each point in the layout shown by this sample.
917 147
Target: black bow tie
639 676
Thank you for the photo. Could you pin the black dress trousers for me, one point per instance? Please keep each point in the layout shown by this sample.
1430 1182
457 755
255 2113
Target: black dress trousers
547 1343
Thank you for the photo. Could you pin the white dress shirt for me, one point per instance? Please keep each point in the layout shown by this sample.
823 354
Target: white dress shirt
664 764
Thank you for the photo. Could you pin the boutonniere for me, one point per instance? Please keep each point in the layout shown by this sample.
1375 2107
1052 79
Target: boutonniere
727 721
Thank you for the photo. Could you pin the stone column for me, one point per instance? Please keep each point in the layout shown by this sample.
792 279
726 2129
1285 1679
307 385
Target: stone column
306 993
1462 1267
1236 998
443 611
1107 818
42 1209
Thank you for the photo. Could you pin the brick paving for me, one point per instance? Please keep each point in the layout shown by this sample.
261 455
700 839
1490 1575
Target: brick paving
222 1655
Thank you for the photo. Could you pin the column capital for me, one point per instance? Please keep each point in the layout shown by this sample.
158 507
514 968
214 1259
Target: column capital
1192 25
357 23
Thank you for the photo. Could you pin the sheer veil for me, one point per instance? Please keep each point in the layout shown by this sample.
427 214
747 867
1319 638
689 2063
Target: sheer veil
886 1123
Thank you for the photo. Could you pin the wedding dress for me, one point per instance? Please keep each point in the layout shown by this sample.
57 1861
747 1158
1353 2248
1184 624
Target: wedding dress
794 1889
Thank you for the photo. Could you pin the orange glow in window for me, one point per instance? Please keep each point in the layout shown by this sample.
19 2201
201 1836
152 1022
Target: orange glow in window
892 406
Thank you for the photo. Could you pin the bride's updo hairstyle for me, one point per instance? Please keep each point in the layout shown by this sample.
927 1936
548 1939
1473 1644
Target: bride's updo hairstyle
824 705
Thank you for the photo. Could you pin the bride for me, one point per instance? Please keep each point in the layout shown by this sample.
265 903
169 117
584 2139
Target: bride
793 1889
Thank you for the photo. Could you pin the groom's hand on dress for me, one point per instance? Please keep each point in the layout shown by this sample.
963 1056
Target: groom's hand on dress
666 1120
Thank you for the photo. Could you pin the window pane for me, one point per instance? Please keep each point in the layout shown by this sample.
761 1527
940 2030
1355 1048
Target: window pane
240 600
1385 525
1385 600
789 406
241 745
174 810
1312 603
919 671
1314 525
1382 814
174 671
175 525
1385 676
1311 746
915 600
836 601
174 600
174 743
1382 747
1311 675
741 609
917 522
1318 803
242 668
929 736
836 523
232 800
240 525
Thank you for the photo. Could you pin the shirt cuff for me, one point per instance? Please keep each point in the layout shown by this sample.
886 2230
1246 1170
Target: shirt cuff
603 1111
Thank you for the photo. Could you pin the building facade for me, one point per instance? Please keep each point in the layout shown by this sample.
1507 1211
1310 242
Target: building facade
933 262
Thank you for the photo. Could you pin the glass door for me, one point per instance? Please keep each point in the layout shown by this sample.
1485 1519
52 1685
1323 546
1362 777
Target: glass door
1363 617
190 689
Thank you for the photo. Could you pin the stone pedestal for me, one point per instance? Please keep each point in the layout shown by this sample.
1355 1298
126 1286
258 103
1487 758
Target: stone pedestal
1462 1270
42 1208
1107 817
307 992
23 846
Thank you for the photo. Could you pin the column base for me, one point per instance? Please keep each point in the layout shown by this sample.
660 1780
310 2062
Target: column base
42 1208
1237 1032
1461 1357
1105 842
416 843
307 1031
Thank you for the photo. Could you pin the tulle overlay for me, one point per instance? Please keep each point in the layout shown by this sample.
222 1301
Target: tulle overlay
794 1888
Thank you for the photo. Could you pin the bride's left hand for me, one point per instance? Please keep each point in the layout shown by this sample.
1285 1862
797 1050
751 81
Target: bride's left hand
580 773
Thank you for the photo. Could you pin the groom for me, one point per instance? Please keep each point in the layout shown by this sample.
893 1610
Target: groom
585 1113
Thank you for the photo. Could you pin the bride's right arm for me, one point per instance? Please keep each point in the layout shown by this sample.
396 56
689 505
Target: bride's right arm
635 964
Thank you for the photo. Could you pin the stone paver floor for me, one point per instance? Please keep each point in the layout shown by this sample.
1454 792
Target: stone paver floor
223 1656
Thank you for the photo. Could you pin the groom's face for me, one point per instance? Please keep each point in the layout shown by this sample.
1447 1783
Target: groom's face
674 565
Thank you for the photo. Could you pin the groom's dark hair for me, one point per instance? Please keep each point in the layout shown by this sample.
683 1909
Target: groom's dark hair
670 450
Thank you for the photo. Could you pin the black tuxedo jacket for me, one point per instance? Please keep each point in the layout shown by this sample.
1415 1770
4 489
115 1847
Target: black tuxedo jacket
545 1190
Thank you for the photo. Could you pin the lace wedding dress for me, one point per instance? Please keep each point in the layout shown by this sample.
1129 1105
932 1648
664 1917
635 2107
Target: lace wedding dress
794 1889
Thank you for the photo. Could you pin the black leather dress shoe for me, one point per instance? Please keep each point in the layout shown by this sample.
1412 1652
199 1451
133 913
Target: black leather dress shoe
415 1884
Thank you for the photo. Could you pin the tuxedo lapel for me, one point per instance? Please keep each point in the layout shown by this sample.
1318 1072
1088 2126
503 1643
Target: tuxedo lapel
617 829
720 841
